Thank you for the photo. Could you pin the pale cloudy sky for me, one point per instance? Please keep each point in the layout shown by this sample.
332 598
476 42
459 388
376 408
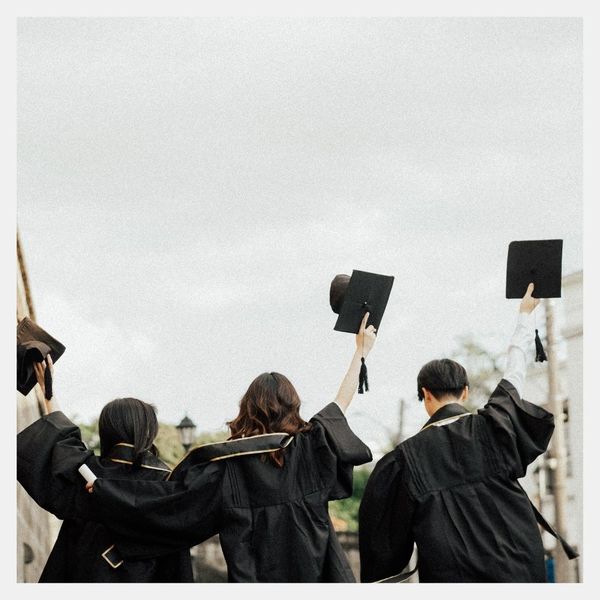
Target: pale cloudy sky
187 189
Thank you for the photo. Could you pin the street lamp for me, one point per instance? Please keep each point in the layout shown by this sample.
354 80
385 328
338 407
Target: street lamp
186 432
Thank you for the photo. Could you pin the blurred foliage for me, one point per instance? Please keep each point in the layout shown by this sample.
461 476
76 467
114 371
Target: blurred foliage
89 434
169 447
484 369
346 510
209 437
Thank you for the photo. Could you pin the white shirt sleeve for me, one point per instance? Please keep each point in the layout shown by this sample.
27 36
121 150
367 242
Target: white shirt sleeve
520 349
336 402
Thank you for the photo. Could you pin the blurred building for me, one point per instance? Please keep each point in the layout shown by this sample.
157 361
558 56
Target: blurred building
36 528
539 481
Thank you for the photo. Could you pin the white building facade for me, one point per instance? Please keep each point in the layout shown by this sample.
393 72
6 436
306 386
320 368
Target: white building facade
539 479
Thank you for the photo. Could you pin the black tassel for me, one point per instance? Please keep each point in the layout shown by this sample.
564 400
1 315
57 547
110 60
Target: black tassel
48 383
362 377
540 355
569 550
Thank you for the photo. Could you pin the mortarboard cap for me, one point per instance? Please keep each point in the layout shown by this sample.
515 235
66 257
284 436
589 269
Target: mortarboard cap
33 345
356 295
538 262
352 297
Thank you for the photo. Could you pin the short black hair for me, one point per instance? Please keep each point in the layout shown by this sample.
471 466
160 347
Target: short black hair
131 421
442 377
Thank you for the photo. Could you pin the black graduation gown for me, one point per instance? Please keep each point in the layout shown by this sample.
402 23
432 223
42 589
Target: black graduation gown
273 522
452 490
49 453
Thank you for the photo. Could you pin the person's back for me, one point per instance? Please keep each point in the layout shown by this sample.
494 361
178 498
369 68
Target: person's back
272 520
471 521
277 527
84 549
264 491
452 488
49 452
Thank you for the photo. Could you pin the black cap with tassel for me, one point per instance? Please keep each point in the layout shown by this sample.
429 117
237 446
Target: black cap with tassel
538 262
540 354
363 380
33 345
353 296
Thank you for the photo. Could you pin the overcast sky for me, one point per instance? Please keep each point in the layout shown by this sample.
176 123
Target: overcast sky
187 189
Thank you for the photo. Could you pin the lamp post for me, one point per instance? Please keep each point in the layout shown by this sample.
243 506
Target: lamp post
186 430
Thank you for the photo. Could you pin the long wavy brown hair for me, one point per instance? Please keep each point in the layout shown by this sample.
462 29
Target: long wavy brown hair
270 405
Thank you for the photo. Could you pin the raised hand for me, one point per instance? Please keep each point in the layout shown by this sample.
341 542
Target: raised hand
40 370
528 303
366 336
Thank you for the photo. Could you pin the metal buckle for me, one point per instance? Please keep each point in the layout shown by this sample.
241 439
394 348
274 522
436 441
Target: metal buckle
117 557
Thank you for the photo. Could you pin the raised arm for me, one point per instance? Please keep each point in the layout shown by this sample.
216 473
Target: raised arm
521 429
365 339
49 451
520 345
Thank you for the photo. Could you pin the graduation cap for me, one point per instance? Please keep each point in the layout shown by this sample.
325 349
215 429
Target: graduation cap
33 345
353 296
538 262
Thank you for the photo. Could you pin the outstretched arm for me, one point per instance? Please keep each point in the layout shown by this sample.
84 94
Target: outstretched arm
154 518
520 345
365 339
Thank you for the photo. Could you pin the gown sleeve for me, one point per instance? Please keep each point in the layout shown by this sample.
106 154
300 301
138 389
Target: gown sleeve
153 518
385 521
521 430
49 451
341 449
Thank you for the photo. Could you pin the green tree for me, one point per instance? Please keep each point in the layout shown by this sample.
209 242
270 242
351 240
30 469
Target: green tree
347 509
89 435
169 445
484 369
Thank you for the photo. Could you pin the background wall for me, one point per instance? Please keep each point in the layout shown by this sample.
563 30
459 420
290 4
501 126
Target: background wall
36 528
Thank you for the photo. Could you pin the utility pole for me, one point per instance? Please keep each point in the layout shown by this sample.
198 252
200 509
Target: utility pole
558 447
401 422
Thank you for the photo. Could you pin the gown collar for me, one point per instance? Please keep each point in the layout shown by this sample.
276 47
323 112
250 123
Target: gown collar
448 411
123 453
255 444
